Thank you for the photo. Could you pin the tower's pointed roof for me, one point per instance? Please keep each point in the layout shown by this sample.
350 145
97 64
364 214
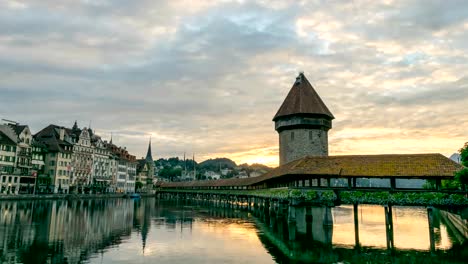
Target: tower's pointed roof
303 99
149 156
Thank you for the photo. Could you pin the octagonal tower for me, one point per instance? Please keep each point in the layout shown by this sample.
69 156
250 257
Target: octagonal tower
302 122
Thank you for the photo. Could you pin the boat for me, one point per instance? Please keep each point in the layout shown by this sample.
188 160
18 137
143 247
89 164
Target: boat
135 196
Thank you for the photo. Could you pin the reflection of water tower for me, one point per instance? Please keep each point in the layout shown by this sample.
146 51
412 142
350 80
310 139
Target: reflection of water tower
302 122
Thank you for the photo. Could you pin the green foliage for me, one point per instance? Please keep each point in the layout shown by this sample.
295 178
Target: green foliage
169 172
138 185
464 154
349 197
216 164
462 177
403 198
295 193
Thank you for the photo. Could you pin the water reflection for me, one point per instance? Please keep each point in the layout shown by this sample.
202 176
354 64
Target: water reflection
149 230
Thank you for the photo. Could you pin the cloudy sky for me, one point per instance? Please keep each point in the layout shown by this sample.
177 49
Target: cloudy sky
207 77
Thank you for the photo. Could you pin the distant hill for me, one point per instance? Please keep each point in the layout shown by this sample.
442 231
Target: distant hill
455 157
215 164
175 166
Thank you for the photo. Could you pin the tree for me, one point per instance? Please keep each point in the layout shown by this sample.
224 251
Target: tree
462 177
464 154
138 186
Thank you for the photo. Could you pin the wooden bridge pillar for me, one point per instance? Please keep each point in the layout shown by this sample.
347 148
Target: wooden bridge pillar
356 226
292 222
393 183
266 212
389 227
272 214
430 219
309 222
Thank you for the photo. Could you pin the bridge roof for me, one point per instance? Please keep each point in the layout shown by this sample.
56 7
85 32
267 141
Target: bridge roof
421 166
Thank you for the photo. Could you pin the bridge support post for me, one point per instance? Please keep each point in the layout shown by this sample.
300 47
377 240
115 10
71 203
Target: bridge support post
292 222
430 219
309 221
389 227
356 226
266 212
272 215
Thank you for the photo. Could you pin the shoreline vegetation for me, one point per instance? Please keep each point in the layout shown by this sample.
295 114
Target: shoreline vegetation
295 196
330 198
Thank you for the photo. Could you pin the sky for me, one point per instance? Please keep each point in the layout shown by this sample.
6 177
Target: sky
207 77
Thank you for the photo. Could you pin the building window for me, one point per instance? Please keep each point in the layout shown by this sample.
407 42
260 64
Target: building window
310 135
292 135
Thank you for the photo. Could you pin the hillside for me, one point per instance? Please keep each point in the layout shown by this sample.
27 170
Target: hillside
216 164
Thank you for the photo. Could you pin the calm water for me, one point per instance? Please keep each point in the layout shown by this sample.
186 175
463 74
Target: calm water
151 231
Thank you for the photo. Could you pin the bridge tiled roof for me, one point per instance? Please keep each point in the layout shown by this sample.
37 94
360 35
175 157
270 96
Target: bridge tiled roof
365 166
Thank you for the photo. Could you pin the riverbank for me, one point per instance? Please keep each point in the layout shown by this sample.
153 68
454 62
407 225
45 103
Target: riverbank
66 196
330 197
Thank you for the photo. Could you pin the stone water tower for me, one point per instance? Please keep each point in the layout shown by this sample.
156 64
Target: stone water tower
302 122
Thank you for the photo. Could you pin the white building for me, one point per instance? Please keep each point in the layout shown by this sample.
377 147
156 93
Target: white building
213 175
102 171
82 158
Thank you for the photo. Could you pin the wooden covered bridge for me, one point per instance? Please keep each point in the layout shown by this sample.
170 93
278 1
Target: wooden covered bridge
391 172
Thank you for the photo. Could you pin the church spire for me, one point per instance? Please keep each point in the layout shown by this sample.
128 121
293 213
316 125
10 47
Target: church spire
149 156
75 126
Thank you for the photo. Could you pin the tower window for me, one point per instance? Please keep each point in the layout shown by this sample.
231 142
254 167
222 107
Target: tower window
310 135
292 135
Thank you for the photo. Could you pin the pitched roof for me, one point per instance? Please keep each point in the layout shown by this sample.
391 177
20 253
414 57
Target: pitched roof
50 137
9 132
5 139
365 166
17 128
303 99
389 165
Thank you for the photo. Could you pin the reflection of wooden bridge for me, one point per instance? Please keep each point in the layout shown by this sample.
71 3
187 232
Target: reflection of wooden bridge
293 221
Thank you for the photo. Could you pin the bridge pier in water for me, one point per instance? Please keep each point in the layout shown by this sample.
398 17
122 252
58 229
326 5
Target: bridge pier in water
294 220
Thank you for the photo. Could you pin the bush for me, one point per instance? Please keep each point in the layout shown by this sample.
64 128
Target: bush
462 176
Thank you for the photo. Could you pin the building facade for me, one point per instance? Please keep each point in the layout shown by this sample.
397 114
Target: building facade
302 122
82 158
101 172
57 160
8 143
126 169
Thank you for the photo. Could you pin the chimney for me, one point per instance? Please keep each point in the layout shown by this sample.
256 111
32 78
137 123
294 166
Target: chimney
61 133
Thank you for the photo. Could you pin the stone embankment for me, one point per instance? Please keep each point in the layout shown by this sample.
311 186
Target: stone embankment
66 196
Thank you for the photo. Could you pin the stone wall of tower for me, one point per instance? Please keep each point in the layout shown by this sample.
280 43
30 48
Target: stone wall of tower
298 143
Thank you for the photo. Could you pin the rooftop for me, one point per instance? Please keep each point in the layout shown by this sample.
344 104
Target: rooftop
303 99
364 166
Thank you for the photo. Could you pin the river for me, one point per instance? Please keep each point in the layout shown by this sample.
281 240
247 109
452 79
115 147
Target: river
153 231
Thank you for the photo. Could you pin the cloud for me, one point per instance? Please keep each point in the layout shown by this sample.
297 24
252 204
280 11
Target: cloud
207 77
